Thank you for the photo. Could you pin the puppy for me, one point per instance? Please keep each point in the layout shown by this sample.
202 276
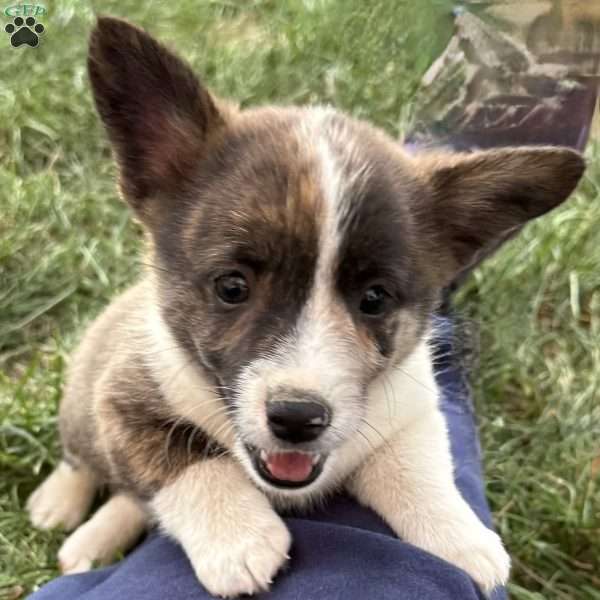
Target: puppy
277 347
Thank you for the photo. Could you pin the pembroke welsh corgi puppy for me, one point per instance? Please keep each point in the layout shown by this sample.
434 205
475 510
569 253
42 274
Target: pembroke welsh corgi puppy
296 258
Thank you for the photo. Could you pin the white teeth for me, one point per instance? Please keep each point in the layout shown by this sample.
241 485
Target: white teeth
315 458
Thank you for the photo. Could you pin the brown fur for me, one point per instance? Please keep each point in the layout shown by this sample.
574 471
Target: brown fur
473 200
159 118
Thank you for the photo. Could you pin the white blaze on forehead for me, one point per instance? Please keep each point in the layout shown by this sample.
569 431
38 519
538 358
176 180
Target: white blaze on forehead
341 171
321 353
332 184
321 347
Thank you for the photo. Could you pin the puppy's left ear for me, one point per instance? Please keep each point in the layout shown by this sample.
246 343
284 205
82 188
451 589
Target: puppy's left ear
474 201
160 119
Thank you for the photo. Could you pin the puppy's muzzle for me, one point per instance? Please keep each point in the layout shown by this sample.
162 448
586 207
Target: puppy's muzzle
297 420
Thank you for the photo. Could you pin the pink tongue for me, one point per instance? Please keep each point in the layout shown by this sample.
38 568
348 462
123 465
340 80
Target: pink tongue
290 466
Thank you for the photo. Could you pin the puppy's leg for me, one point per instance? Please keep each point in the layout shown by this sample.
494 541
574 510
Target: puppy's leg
64 498
234 539
410 484
114 528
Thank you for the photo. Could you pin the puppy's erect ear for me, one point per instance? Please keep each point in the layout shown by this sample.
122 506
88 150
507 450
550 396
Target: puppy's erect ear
159 118
476 200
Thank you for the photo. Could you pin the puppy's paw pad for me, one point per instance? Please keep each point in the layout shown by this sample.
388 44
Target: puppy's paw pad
246 563
62 500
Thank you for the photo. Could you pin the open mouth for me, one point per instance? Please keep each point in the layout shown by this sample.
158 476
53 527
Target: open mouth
287 469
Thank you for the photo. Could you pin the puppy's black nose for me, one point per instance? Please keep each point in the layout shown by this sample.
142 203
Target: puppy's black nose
297 421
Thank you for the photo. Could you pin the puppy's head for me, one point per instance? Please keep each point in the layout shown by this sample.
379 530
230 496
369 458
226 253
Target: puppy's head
299 253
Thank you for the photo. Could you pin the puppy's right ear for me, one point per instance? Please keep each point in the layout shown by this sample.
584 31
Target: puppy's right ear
159 118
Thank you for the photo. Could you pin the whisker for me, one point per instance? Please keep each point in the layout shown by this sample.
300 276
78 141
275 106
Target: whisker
385 383
423 385
362 435
152 266
167 444
383 438
386 377
161 350
337 432
226 427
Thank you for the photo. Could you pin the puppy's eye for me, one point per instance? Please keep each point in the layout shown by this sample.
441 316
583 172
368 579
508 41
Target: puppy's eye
232 288
374 301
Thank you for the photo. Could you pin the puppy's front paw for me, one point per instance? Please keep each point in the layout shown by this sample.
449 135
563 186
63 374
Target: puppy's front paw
466 543
246 560
480 552
63 499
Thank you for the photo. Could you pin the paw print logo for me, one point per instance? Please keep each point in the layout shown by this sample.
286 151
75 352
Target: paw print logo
24 32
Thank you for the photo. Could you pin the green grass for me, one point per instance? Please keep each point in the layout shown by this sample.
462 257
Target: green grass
67 245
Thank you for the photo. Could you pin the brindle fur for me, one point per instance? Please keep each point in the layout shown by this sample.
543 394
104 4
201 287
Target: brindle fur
113 416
